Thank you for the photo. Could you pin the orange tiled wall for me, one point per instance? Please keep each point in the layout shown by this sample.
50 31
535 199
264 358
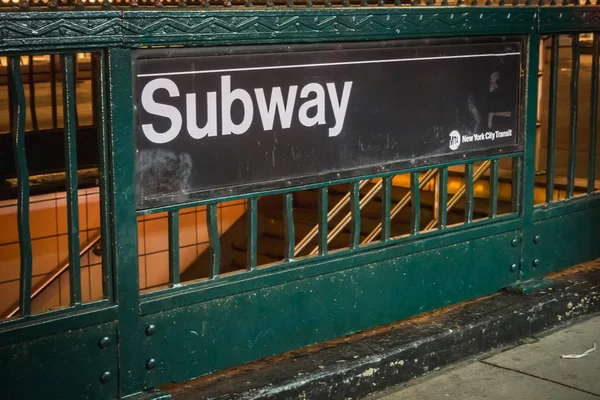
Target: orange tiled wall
48 222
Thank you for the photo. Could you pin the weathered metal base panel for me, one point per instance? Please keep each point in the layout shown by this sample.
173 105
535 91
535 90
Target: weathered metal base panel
79 364
561 242
371 361
230 331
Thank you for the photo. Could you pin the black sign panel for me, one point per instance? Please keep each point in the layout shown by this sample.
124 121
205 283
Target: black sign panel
215 122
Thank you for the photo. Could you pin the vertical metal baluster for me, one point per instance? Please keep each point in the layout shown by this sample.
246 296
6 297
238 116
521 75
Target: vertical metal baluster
31 83
214 240
442 197
75 68
573 120
493 189
15 84
70 130
288 218
101 113
323 223
252 234
53 91
386 206
516 184
550 162
355 214
593 116
174 278
415 200
469 195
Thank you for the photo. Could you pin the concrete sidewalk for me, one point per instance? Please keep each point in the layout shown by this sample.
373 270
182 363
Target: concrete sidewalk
532 371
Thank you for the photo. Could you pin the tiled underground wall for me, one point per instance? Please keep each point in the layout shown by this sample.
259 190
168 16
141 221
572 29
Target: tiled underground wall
48 222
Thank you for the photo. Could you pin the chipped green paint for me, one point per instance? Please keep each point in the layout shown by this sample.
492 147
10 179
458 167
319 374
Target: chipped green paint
187 331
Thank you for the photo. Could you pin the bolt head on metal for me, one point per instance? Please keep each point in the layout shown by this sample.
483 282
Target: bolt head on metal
150 329
513 268
536 239
104 342
150 364
536 263
105 377
514 242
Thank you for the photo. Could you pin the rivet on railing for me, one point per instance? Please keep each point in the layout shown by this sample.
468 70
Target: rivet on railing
150 364
105 377
104 342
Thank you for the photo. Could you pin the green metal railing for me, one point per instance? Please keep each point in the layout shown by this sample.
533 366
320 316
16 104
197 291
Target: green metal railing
132 341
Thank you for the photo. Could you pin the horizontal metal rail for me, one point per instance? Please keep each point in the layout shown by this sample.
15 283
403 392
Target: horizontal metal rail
107 4
55 274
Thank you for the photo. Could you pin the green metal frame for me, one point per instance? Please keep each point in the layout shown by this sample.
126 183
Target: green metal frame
129 343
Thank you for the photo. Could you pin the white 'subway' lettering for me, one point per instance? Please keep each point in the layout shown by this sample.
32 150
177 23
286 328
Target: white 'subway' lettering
311 112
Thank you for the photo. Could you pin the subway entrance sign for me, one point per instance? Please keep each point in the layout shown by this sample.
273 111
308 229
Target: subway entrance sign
222 121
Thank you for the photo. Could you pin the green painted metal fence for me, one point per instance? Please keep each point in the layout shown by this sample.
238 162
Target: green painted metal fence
132 341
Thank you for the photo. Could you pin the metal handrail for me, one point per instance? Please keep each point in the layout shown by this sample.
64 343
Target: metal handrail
400 205
348 217
56 274
461 191
330 215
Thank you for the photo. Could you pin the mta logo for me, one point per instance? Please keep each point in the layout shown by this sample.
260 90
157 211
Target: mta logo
454 140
